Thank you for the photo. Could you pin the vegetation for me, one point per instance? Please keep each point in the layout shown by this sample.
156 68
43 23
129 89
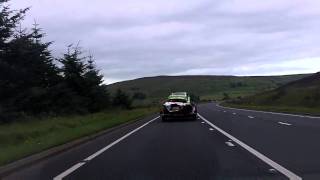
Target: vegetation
20 139
226 96
139 95
301 96
206 87
41 96
122 99
33 82
48 93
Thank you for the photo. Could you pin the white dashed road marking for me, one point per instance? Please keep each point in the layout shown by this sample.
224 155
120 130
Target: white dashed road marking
234 113
272 170
268 112
283 123
211 129
251 117
230 144
273 164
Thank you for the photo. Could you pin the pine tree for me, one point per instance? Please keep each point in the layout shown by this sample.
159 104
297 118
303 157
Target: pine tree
30 80
9 20
73 70
33 72
97 92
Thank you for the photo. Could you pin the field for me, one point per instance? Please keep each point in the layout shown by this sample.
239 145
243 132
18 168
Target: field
21 139
301 96
207 87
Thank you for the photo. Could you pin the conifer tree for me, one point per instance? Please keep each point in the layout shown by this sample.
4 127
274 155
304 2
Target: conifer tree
33 72
96 91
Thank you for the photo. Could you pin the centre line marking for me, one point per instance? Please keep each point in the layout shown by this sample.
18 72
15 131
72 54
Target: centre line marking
230 144
283 123
273 164
78 165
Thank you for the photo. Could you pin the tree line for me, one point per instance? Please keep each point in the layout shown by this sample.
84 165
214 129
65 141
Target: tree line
33 81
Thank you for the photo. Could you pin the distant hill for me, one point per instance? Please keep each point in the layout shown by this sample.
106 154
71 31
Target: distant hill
207 87
304 93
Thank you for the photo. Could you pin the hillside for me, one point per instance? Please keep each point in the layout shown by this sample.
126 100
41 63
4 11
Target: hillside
297 96
303 92
207 87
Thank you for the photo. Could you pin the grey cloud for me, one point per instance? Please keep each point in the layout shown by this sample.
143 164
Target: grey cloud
160 37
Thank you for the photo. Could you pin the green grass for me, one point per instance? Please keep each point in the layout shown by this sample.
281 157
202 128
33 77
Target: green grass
207 87
20 139
281 109
299 97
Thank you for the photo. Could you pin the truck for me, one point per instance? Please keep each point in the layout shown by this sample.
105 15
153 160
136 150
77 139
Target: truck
178 106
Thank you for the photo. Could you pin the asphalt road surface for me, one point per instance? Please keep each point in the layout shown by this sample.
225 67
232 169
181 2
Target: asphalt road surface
222 143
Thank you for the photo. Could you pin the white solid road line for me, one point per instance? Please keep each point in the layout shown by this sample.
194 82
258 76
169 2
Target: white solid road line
267 112
283 123
68 171
78 165
278 167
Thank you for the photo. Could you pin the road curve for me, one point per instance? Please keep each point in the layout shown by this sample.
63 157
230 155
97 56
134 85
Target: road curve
184 149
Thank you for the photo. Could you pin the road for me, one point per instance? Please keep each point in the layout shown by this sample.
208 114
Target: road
223 143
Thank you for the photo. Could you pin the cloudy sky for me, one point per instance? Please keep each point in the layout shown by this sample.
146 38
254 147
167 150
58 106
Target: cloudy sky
137 38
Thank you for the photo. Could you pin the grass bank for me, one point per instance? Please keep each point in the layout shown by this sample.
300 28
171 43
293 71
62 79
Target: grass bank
281 109
20 139
207 87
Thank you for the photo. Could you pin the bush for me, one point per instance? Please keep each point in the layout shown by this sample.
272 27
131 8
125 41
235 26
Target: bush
194 98
121 99
226 96
139 95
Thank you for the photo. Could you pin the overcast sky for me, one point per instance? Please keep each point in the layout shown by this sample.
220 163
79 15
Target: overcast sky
137 38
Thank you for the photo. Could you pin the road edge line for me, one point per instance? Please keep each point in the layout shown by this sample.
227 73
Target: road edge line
278 167
89 158
270 112
35 158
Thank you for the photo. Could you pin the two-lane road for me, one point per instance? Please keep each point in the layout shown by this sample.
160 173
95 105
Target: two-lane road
223 144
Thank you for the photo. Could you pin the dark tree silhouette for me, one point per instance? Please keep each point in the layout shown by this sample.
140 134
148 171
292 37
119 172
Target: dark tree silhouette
121 99
30 80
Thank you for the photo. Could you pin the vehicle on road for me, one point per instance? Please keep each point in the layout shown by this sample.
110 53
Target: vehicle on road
178 105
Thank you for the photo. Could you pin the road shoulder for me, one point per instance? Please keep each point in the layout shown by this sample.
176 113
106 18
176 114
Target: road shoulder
36 158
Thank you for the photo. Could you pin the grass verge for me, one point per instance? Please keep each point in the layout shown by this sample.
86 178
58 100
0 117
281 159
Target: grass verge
280 109
20 139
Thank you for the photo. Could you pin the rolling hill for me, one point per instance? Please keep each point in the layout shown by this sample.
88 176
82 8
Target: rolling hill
302 95
207 87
